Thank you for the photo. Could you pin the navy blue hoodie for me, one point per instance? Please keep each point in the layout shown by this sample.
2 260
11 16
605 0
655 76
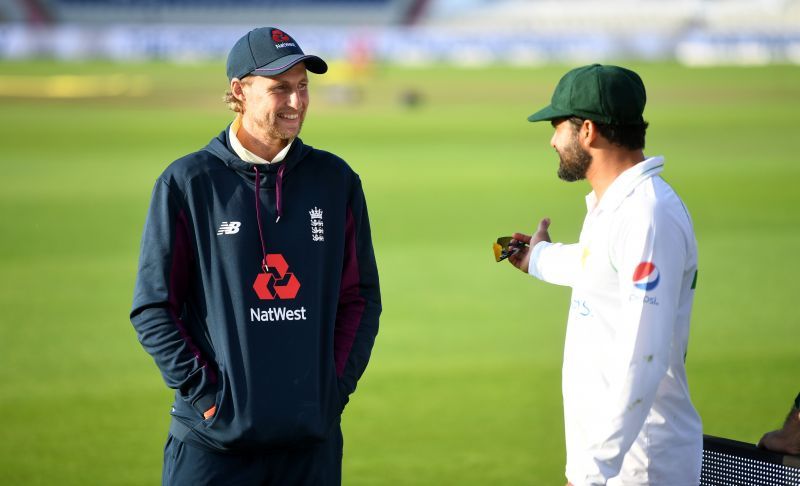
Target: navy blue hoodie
257 292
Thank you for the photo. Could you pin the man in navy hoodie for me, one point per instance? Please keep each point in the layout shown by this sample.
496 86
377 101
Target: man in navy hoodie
257 291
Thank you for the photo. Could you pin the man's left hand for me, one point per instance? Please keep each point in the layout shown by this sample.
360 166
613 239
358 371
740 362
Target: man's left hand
522 258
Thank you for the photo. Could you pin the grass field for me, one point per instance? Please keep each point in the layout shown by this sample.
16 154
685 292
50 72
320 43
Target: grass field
464 384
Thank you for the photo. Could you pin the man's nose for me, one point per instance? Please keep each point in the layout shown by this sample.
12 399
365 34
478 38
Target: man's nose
295 100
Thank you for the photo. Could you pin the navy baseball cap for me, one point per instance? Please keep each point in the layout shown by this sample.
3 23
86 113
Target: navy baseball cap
268 51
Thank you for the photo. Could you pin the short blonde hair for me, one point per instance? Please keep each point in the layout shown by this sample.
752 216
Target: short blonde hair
235 104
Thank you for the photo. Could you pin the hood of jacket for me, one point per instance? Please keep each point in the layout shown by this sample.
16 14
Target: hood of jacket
220 147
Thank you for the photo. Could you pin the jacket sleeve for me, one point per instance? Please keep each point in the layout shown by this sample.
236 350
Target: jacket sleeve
359 305
162 282
650 253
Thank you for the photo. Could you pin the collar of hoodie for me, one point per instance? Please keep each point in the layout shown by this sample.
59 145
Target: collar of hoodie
258 173
246 154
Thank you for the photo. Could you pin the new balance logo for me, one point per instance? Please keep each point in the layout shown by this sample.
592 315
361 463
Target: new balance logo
229 228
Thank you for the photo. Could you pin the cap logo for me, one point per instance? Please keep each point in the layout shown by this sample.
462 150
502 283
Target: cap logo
281 39
279 36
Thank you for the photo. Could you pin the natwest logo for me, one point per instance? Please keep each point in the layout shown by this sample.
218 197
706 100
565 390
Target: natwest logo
279 36
276 282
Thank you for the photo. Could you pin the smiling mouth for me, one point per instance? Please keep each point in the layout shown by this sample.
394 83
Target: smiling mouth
289 116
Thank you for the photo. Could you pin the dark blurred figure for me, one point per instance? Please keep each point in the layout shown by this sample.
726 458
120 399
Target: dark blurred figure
787 439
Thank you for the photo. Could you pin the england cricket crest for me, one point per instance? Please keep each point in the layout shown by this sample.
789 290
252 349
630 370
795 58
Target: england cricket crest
317 225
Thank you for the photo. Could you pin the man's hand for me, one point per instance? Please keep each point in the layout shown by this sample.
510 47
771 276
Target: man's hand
210 412
785 440
522 258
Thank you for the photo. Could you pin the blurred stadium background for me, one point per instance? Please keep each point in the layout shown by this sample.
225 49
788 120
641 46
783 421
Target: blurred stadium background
427 101
462 32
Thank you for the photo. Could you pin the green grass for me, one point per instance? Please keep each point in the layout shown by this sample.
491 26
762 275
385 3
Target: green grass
464 384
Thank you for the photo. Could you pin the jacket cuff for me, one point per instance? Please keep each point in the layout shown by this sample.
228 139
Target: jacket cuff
205 402
344 395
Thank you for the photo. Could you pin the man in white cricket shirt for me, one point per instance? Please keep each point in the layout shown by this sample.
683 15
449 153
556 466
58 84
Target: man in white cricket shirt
627 413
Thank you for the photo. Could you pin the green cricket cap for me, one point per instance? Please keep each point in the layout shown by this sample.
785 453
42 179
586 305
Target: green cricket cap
601 93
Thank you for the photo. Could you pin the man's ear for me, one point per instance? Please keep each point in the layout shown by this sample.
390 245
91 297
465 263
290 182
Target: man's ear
587 133
237 88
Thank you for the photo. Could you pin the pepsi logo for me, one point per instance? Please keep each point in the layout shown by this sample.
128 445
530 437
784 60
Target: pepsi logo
646 276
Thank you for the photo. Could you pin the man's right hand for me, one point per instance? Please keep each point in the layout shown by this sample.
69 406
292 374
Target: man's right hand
522 258
210 412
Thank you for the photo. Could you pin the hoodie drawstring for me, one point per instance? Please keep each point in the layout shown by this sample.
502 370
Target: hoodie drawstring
258 218
278 205
278 190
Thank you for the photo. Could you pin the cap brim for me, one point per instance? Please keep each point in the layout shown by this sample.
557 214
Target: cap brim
548 113
313 63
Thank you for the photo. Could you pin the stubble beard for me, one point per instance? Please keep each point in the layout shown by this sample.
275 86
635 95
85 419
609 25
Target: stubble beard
574 162
275 132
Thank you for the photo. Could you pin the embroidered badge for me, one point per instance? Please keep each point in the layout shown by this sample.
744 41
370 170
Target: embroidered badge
317 225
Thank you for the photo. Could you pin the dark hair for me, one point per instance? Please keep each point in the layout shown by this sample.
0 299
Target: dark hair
628 136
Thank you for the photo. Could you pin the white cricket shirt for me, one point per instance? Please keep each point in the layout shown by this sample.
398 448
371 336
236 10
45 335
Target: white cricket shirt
627 411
